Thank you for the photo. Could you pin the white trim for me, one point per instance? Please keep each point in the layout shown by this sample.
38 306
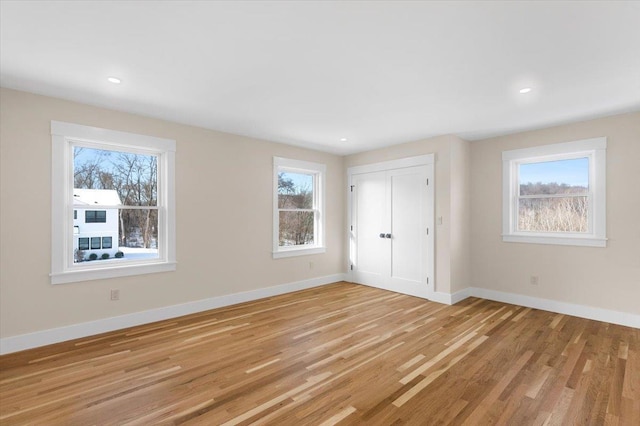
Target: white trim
64 136
555 149
121 270
319 172
110 137
582 311
556 240
419 160
595 150
460 295
76 331
298 252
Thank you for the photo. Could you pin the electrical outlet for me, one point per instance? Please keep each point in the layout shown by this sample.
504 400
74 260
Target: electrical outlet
534 280
115 294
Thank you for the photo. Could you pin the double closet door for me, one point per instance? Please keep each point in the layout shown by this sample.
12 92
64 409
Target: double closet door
391 226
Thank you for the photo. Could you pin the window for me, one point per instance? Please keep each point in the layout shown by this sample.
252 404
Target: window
83 243
124 184
106 242
95 216
298 203
556 194
96 243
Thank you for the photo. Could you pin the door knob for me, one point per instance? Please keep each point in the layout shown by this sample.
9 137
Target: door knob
381 235
387 236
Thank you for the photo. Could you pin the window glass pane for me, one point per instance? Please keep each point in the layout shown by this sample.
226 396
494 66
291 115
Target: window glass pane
554 177
296 228
138 229
133 236
295 190
96 243
83 243
113 178
106 242
562 214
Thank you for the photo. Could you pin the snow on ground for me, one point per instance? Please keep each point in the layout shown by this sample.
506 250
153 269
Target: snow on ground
132 253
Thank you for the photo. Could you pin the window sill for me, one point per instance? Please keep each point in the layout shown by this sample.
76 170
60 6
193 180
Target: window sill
556 240
113 272
298 252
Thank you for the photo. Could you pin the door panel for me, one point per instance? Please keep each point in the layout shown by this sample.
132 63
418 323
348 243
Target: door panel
407 194
370 216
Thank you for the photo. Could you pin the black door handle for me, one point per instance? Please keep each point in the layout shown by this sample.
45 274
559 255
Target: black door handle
381 235
388 236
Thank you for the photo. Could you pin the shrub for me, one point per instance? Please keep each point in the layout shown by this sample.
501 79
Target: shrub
105 255
79 256
119 254
93 256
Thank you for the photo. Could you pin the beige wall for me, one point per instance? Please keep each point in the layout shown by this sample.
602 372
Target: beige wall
451 202
606 278
224 218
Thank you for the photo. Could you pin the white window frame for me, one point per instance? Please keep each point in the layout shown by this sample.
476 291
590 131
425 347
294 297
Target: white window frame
593 149
64 136
318 171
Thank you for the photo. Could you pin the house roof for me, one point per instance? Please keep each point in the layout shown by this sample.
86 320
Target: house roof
95 197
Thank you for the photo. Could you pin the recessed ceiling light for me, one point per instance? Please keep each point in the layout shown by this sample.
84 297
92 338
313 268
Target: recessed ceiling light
114 80
525 90
343 139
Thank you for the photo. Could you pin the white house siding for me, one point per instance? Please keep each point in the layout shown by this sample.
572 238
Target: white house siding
84 199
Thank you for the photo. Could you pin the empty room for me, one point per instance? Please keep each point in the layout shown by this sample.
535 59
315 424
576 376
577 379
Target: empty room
319 213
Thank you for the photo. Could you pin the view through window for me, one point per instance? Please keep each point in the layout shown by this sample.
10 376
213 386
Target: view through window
553 196
116 195
296 209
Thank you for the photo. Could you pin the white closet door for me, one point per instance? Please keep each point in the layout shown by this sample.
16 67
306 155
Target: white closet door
408 231
371 216
390 214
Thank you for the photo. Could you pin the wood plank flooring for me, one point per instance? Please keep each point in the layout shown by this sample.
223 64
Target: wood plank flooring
338 354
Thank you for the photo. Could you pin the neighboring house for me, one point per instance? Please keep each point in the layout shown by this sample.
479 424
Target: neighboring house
95 229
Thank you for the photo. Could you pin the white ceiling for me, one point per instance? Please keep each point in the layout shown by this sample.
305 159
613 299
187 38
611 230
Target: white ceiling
311 73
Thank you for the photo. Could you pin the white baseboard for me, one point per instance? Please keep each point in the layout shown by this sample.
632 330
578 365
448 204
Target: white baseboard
61 334
440 297
460 295
582 311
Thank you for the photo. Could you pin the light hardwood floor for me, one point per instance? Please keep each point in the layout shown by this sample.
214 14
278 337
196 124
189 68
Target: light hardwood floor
341 353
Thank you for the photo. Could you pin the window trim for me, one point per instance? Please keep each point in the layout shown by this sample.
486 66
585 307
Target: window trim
63 137
595 150
319 171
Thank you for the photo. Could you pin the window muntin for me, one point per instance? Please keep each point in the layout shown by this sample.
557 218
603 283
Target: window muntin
127 181
555 194
298 207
